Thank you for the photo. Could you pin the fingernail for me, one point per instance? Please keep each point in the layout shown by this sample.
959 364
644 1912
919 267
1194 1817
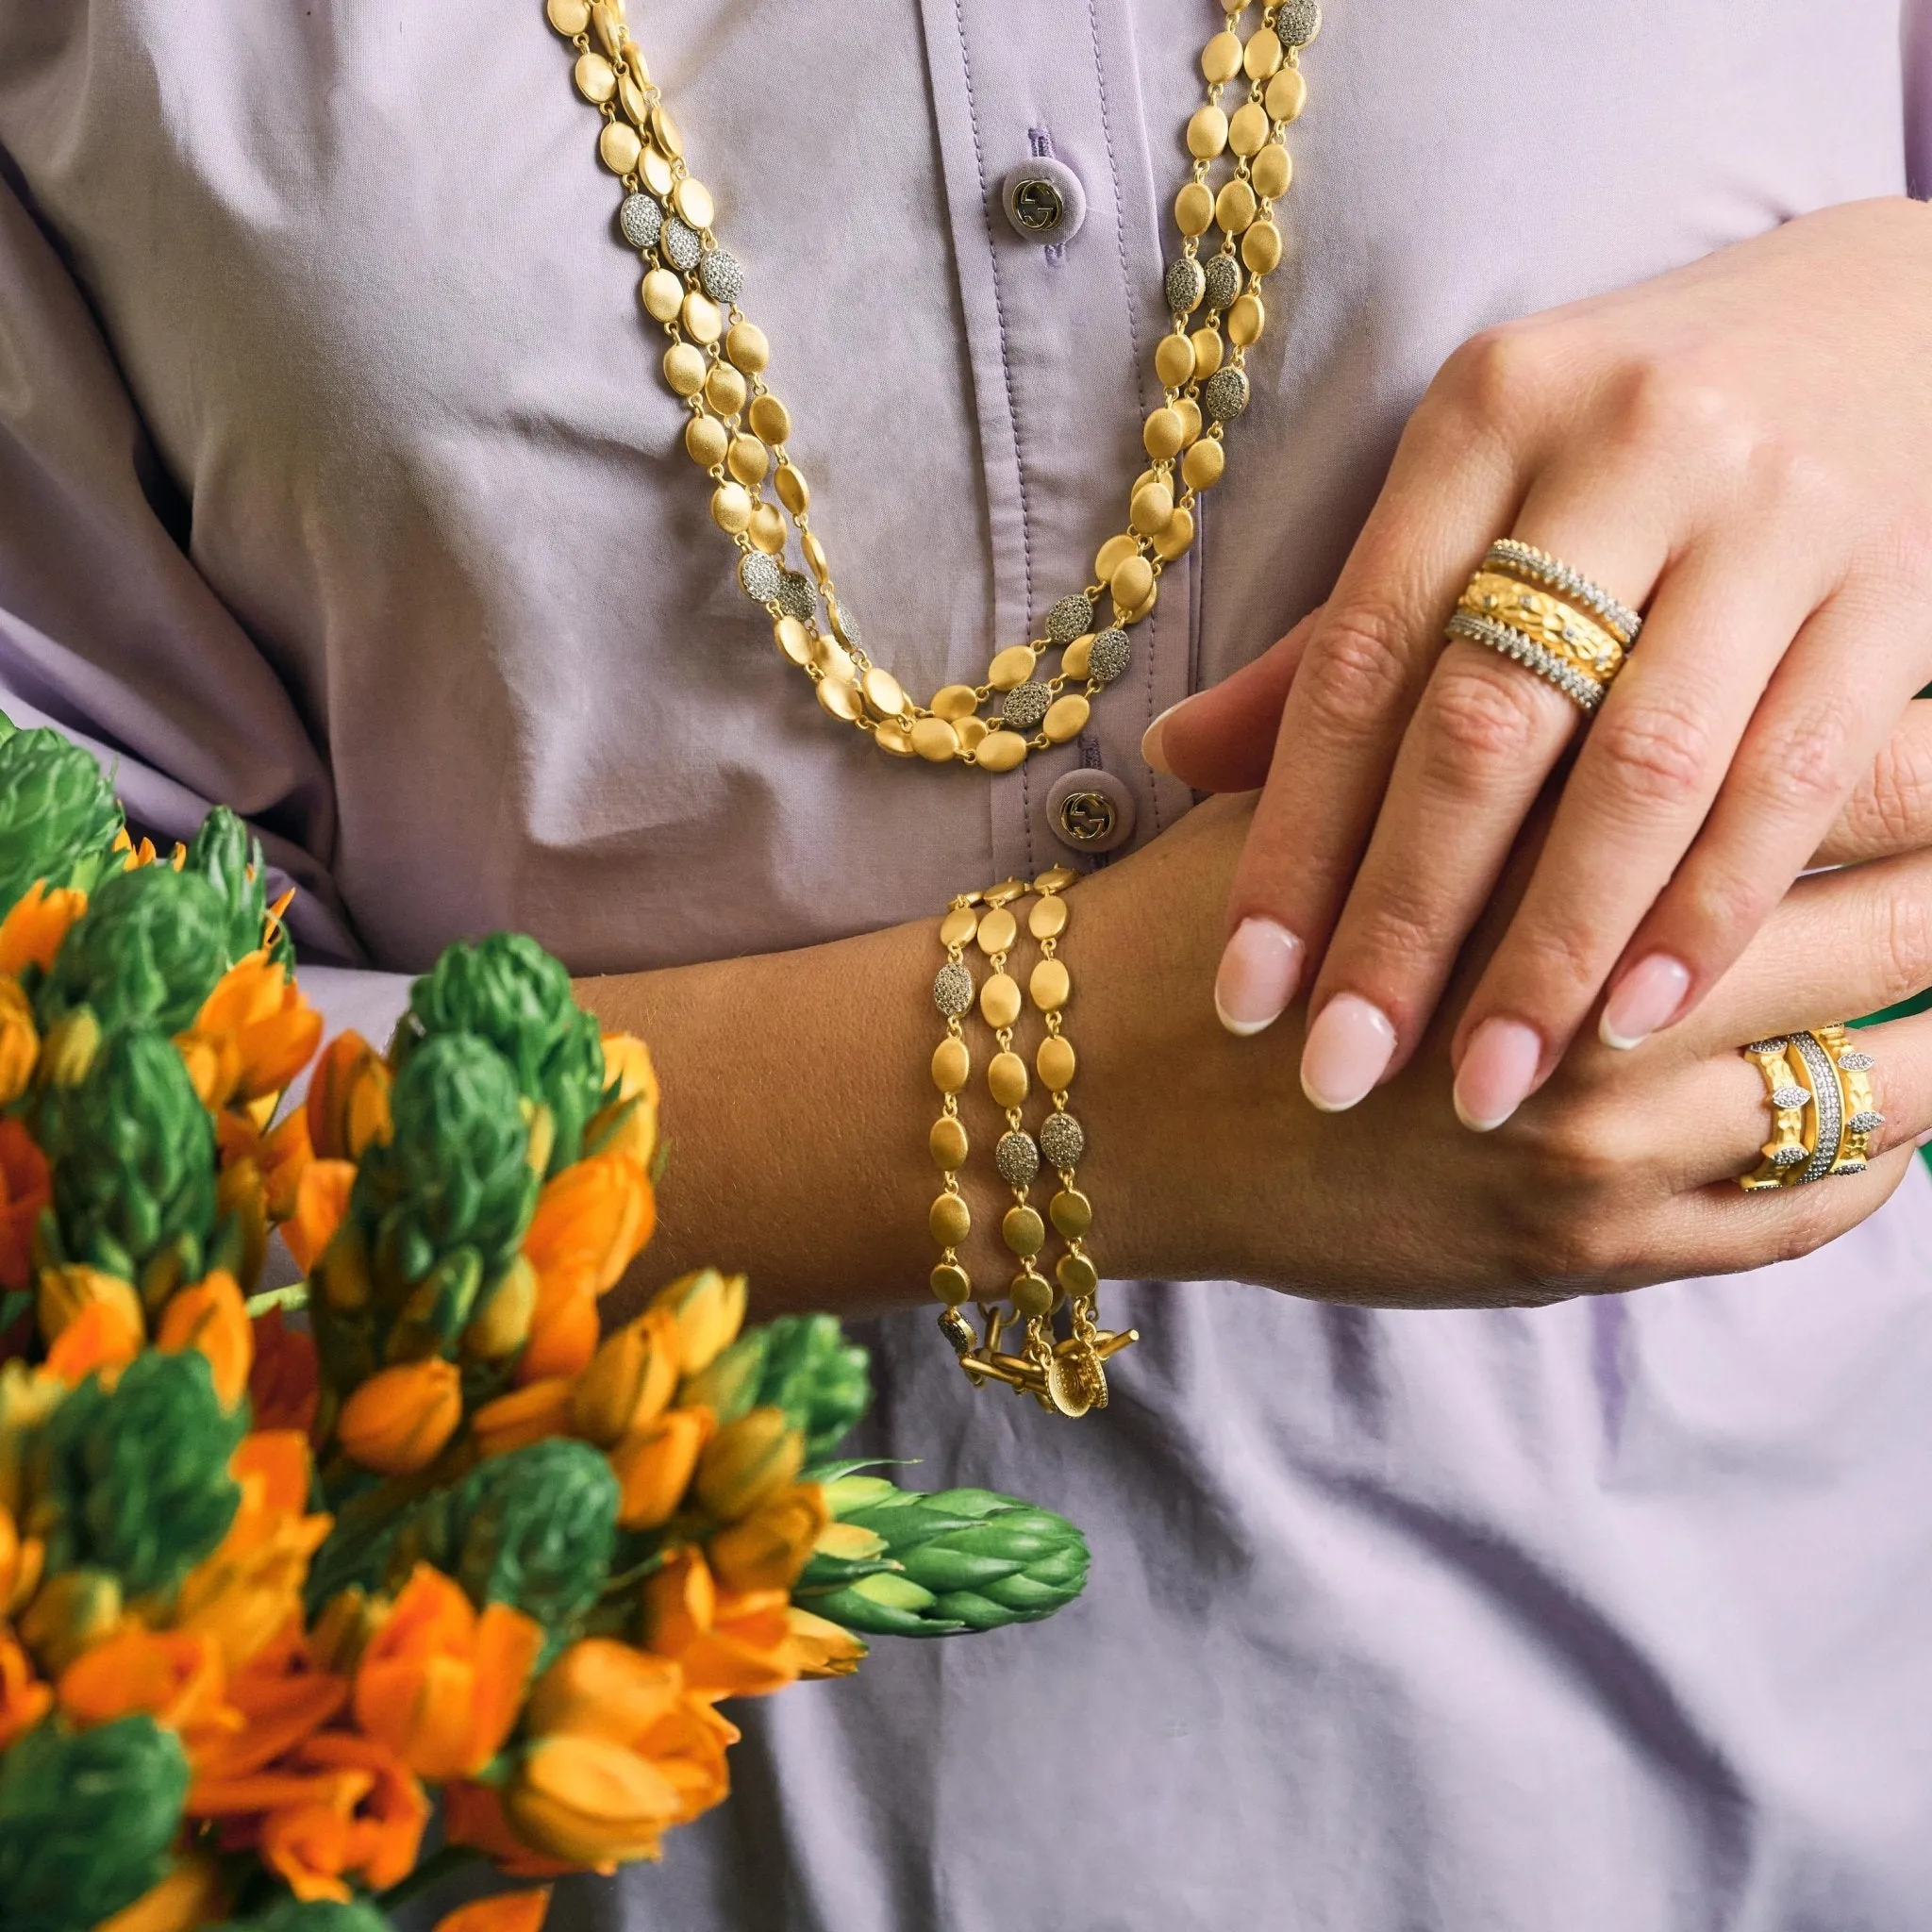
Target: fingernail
1348 1050
1150 743
1259 971
1647 998
1497 1072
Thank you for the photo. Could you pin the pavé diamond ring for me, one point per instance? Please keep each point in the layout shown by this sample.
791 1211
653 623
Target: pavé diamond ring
1818 1088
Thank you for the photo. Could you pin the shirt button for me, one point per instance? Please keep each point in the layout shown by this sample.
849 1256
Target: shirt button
1091 811
1043 200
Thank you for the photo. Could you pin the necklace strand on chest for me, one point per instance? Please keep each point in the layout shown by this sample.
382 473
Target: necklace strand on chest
739 432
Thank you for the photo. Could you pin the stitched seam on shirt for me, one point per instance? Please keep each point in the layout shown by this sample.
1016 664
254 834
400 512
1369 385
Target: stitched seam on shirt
999 305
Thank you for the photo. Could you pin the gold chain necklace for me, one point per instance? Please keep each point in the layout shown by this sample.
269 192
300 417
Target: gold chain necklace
739 430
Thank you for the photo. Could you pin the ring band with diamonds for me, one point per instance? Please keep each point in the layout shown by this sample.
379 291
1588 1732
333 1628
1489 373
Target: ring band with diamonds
1538 566
1788 1149
1862 1118
1818 1074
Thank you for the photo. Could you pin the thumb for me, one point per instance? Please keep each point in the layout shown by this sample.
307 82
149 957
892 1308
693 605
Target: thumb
1222 739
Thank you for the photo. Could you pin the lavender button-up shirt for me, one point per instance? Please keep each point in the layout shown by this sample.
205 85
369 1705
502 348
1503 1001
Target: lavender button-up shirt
337 481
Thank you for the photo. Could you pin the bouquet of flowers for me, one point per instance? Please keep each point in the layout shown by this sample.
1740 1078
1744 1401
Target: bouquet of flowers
421 1548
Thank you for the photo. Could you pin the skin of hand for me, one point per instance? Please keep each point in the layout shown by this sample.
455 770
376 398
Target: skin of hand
797 1102
1742 448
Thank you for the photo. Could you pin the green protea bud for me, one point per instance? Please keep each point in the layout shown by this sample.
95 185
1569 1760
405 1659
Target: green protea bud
822 1381
535 1529
452 1189
228 857
133 1154
965 1559
58 815
87 1821
135 1480
313 1915
150 946
509 991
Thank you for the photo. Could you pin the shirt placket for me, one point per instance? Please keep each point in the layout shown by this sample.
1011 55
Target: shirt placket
1061 314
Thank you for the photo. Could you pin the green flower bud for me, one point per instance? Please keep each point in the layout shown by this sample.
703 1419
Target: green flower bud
59 816
150 946
822 1381
87 1821
228 857
135 1481
509 991
966 1559
133 1154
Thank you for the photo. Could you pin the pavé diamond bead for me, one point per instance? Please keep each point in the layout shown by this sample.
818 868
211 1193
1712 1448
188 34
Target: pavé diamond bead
721 276
1025 705
1224 394
1866 1123
641 219
1062 1141
679 245
952 990
1017 1158
762 577
1787 1097
1850 1167
1072 617
1186 285
1789 1156
1224 279
1855 1062
796 597
1297 23
847 628
1110 654
1767 1045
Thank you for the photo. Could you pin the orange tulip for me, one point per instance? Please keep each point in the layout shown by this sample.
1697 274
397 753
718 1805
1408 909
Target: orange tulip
255 1032
591 1802
174 1676
709 1308
31 933
284 1159
26 1186
282 1699
23 1699
767 1549
820 1648
441 1685
104 1336
399 1419
472 1817
20 1040
322 1203
653 1467
61 1294
211 1317
563 1332
193 1894
527 1415
284 1388
509 1911
591 1221
729 1644
243 1595
630 1381
748 1462
348 1098
627 1121
22 1559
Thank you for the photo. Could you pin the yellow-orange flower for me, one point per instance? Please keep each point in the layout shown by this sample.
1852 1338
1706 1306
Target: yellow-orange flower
70 1613
348 1098
104 1335
747 1462
63 1292
767 1549
242 1198
20 1040
26 1186
590 1802
174 1676
440 1683
472 1817
820 1648
23 1699
21 1562
592 1219
191 1895
282 1698
31 933
245 1592
709 1309
509 1911
501 1324
322 1201
630 1381
627 1121
526 1415
284 1159
655 1466
399 1419
255 1032
563 1332
733 1644
284 1385
212 1317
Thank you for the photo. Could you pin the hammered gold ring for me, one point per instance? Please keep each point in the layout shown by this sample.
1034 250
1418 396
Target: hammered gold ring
1818 1088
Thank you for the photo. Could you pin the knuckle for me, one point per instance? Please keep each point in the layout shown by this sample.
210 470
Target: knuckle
1480 718
1497 373
1664 399
1359 670
1895 798
1803 763
1657 751
1901 943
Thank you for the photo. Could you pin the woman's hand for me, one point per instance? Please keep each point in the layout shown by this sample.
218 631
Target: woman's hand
1744 447
1620 1173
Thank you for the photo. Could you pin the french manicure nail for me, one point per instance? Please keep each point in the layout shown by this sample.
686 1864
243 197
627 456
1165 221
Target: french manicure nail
1348 1050
1497 1073
1259 972
1150 743
1647 998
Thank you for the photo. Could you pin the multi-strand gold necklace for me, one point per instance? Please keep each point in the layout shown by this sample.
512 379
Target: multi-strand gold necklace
739 431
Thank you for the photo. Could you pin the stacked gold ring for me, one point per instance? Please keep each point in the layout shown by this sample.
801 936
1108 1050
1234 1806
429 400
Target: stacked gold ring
1818 1088
1549 618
